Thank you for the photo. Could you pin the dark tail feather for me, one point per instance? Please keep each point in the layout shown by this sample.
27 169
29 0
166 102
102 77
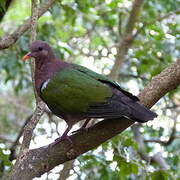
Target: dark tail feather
140 113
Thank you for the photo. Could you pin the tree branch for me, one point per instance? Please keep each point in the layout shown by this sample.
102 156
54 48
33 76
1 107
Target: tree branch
29 128
169 141
161 18
34 19
164 82
35 118
129 36
10 39
13 147
36 162
64 174
127 40
156 158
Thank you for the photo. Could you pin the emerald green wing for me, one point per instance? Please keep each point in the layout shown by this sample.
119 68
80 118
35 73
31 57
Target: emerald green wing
73 91
104 79
93 74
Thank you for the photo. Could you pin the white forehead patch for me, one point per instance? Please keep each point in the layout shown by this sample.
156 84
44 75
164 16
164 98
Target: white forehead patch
44 85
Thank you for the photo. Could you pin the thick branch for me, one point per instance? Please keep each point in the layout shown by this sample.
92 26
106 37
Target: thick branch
43 159
166 81
36 162
10 39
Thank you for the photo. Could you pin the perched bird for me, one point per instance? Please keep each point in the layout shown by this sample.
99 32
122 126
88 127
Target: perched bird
73 92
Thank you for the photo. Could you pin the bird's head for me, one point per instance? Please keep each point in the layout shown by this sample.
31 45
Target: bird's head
39 50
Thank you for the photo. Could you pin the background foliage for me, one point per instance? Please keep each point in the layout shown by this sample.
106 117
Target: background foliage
87 32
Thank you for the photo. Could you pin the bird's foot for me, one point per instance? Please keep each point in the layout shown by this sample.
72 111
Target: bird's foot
80 130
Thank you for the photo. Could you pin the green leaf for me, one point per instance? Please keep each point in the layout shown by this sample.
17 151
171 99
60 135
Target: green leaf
3 5
4 158
161 174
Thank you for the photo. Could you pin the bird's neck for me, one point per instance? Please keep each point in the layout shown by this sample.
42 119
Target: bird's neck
45 69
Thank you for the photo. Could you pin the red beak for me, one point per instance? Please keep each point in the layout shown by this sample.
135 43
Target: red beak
27 56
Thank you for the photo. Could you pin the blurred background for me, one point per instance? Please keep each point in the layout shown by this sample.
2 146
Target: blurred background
88 33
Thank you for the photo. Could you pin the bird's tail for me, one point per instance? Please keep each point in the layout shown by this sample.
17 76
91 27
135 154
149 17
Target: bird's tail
140 113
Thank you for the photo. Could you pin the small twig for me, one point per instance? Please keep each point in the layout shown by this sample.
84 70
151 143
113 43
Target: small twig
15 143
64 174
129 36
10 39
157 158
37 114
161 18
89 53
50 117
133 76
172 137
34 19
28 130
164 143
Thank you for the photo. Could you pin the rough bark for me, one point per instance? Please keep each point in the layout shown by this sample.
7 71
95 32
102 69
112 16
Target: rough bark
166 81
34 23
35 162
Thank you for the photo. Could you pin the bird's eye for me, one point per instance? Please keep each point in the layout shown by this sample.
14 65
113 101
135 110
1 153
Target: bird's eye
40 48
